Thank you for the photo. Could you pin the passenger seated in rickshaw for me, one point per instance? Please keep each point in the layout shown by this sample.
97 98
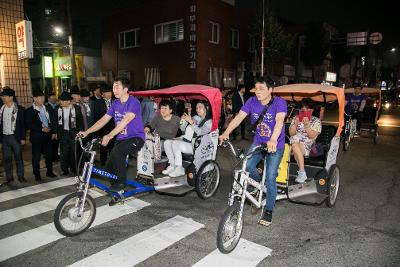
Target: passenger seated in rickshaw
197 125
355 104
304 130
164 123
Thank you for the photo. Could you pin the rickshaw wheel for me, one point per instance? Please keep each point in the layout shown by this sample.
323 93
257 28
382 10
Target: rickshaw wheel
346 142
207 179
230 228
376 136
332 186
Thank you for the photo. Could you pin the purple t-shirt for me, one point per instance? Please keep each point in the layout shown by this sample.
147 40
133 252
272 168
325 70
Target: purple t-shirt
135 127
264 130
354 102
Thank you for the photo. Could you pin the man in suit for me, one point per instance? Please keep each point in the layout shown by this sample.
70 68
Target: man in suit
238 101
70 122
52 107
100 108
39 121
12 134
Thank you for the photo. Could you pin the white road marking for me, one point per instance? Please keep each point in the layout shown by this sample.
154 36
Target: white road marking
23 242
246 254
143 245
30 190
13 215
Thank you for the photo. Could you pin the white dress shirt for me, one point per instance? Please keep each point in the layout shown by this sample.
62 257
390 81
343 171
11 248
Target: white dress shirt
66 112
7 125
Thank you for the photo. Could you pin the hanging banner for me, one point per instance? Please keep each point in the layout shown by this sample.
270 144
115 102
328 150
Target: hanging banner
24 39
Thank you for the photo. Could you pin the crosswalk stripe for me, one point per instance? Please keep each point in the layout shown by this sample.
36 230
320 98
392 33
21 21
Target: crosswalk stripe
143 245
245 254
26 211
20 243
30 190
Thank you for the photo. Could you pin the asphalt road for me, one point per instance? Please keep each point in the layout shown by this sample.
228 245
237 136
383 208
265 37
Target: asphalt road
363 228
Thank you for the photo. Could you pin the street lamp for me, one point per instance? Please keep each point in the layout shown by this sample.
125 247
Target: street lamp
393 49
58 31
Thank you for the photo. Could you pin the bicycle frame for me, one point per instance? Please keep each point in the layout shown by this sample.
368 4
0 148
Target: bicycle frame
86 180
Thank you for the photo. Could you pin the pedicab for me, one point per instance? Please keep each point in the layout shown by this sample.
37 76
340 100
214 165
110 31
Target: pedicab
323 173
371 113
202 172
76 212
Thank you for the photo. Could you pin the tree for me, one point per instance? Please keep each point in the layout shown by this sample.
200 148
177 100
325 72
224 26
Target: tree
278 43
316 45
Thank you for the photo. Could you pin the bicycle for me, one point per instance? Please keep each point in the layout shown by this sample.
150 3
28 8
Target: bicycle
349 131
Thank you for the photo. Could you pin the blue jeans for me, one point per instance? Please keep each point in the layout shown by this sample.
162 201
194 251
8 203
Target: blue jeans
272 161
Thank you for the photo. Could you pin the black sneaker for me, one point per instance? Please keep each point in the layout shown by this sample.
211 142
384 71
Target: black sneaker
266 218
22 179
117 187
51 175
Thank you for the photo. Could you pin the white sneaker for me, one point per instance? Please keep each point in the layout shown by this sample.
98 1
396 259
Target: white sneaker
179 171
168 170
301 177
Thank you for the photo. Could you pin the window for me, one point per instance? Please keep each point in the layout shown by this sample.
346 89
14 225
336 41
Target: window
214 32
129 39
47 11
252 44
234 38
229 78
168 32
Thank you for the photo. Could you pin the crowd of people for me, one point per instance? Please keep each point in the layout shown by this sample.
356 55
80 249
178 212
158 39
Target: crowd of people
52 127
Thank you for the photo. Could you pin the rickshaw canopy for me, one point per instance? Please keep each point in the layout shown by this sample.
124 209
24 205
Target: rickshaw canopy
189 92
318 93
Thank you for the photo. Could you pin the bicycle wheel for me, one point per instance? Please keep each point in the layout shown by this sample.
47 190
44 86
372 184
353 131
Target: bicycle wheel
66 218
333 186
230 229
207 179
346 142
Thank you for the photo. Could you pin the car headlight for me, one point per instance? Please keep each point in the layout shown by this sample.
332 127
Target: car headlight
387 105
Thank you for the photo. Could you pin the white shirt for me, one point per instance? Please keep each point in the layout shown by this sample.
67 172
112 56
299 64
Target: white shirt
241 96
66 112
7 115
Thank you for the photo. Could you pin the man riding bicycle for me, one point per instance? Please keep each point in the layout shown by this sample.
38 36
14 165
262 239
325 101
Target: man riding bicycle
129 130
267 115
355 104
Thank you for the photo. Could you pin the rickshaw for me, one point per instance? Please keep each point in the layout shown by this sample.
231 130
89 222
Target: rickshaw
323 173
372 109
76 212
202 171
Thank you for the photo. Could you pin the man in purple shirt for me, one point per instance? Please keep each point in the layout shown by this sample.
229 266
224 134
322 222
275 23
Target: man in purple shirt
128 128
355 104
270 132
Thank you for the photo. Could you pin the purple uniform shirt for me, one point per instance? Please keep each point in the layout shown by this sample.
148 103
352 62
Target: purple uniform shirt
354 102
265 128
135 127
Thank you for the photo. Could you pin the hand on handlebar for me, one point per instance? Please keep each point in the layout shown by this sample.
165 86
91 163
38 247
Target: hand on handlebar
271 146
222 138
106 139
82 134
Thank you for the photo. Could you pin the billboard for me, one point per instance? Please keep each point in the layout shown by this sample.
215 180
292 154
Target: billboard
24 39
62 66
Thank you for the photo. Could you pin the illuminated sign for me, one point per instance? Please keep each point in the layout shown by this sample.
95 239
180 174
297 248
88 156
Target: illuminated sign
192 37
63 66
330 77
24 39
48 67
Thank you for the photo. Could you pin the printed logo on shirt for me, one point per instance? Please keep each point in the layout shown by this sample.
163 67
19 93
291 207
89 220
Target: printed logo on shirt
264 130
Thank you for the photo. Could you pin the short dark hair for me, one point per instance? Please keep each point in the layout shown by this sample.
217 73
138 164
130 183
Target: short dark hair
307 103
240 86
165 103
124 81
265 79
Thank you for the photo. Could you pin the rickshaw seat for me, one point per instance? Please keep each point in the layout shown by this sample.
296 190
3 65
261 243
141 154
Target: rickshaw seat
324 139
369 115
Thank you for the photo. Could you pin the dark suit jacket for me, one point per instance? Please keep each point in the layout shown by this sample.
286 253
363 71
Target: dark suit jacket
79 122
237 102
99 109
20 132
34 124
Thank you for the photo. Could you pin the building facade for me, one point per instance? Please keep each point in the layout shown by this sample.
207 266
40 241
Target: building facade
13 72
163 43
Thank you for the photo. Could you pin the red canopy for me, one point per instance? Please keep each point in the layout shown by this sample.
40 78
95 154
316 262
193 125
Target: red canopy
190 92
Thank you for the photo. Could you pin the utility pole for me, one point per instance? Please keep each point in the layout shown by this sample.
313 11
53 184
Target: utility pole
262 38
71 45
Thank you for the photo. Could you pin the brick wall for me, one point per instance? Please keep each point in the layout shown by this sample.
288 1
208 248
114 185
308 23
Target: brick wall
13 72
